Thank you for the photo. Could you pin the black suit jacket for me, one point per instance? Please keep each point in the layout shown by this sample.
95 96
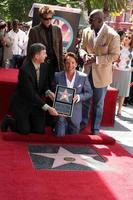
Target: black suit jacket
28 92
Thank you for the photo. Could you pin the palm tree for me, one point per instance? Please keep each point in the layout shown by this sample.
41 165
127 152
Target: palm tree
106 5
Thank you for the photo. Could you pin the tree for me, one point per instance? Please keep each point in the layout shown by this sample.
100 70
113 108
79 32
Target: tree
3 9
11 9
106 5
19 9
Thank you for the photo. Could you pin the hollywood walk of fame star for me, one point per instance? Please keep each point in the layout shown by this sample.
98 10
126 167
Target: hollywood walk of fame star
64 156
65 95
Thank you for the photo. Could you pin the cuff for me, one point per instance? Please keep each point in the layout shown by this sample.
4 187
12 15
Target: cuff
78 98
97 60
47 92
45 107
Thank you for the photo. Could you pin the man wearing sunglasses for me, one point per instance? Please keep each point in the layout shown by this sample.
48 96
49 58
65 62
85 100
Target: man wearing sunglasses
49 35
100 46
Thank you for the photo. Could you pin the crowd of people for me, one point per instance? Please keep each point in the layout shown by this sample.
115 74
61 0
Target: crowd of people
42 66
13 43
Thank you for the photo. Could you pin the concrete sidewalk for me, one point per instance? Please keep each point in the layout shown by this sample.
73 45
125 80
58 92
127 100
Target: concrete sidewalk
123 128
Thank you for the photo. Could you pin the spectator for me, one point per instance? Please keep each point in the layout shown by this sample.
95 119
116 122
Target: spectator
123 70
5 45
18 37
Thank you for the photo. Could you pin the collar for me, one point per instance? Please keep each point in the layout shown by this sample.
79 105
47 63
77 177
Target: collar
70 83
100 31
46 28
37 66
18 30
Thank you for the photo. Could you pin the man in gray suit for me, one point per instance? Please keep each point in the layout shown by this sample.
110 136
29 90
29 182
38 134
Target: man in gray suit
72 78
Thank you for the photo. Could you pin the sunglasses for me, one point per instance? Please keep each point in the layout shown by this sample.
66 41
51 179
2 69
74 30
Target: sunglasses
128 37
92 19
46 19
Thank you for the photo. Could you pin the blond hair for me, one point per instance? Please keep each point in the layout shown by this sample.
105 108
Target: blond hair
45 10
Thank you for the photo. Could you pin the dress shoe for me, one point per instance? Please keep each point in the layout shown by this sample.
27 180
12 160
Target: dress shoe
131 103
82 126
119 115
94 133
5 124
125 104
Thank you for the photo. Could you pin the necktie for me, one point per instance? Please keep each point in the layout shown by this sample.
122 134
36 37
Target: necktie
38 74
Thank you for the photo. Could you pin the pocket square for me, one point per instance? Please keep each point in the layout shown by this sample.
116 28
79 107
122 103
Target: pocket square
79 86
103 45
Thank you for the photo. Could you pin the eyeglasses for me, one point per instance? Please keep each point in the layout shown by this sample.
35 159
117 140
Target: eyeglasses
128 37
46 19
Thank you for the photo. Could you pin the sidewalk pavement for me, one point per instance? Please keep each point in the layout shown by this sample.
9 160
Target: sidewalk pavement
123 129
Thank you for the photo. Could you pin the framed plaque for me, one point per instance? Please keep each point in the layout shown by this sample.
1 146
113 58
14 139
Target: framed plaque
63 102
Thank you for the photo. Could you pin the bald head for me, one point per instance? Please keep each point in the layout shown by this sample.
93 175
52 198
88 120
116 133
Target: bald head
96 19
98 14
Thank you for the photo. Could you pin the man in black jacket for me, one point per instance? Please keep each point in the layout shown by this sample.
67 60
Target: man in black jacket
27 104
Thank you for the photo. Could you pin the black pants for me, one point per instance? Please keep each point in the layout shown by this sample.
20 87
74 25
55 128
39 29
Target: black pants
52 68
129 100
34 122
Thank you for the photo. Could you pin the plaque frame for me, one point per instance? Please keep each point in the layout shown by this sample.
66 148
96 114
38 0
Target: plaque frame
63 101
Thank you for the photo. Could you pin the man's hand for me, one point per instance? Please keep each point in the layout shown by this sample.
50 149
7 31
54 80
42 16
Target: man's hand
89 59
115 65
5 41
75 98
52 111
93 58
51 95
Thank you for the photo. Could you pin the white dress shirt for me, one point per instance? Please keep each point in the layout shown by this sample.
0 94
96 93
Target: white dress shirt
95 37
37 68
70 84
18 39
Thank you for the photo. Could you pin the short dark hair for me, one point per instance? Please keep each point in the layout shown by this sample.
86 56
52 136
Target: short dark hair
15 22
97 14
2 24
71 54
34 49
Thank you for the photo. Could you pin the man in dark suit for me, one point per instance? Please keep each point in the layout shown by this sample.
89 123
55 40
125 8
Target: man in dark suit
51 36
28 105
72 78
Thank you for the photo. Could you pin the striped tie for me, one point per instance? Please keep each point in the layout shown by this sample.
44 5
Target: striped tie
38 74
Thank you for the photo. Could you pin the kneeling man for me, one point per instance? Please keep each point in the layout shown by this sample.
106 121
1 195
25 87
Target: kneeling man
72 78
28 105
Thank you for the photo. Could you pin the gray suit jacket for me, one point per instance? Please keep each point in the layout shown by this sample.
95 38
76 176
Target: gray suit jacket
83 89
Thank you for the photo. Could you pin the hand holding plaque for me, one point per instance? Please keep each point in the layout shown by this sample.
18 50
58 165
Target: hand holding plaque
63 102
